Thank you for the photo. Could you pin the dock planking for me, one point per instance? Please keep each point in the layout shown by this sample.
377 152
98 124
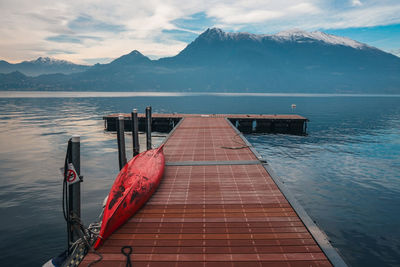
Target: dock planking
217 205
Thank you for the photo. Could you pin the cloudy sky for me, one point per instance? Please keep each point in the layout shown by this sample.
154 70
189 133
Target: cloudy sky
98 31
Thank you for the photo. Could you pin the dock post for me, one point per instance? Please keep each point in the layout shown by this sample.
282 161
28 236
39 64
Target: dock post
305 128
121 141
74 197
148 127
135 132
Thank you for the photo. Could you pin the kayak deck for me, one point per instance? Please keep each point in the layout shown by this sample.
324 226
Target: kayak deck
135 183
217 205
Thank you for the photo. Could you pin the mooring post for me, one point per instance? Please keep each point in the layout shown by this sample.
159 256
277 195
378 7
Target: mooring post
148 127
121 141
74 190
305 128
135 132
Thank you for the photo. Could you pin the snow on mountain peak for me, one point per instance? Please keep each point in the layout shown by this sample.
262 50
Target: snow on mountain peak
214 33
294 35
299 35
218 34
292 32
50 61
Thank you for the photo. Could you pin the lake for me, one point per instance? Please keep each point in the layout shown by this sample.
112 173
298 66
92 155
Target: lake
345 172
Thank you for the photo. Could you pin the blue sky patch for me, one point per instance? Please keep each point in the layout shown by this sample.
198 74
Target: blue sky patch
197 22
183 36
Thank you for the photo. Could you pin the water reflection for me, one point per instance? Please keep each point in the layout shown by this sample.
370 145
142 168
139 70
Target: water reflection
345 172
347 178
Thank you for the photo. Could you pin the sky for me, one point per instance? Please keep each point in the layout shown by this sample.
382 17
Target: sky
98 31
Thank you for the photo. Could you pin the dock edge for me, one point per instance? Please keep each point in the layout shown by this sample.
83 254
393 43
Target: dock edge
319 236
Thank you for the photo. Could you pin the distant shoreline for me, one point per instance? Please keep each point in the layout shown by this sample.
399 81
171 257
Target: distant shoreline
88 94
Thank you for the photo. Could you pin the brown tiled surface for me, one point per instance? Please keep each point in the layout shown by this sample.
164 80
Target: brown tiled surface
208 143
215 215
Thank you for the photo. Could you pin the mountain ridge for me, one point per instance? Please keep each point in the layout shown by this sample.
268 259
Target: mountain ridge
217 61
42 65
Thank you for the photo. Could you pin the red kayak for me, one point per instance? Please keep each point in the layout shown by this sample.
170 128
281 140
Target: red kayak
134 185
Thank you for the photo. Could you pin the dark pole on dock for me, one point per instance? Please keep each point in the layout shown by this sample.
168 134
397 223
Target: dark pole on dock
74 197
135 132
121 141
148 127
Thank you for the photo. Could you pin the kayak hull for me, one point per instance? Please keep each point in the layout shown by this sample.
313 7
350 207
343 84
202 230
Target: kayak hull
134 185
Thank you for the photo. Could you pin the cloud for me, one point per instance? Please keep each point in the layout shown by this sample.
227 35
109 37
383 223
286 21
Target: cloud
101 60
232 15
257 12
64 39
195 22
85 23
77 39
58 52
363 17
107 29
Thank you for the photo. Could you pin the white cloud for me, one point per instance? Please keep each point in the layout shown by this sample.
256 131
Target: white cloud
363 17
234 15
255 11
118 27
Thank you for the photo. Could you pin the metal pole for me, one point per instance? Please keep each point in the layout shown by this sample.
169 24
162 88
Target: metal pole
75 189
135 132
148 127
121 142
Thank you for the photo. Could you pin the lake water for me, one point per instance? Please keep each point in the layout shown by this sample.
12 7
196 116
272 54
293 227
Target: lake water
345 173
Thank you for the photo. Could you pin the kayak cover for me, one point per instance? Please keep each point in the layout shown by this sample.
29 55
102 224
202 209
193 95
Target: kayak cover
134 185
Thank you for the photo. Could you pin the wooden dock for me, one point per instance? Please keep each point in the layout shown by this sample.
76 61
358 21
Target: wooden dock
219 204
249 123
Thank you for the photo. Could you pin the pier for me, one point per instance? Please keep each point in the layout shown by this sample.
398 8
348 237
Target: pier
219 204
251 123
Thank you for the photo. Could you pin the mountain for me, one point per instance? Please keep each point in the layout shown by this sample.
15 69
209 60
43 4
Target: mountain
217 61
134 57
42 65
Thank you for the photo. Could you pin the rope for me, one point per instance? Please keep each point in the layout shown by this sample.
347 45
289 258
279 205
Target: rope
237 147
95 261
87 235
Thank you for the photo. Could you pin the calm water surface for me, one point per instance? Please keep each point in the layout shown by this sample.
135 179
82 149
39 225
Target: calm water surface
345 173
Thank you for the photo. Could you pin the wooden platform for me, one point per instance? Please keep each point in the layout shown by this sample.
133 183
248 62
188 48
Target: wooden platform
249 123
217 205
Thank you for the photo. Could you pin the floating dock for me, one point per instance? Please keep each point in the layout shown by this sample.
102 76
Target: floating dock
252 123
219 204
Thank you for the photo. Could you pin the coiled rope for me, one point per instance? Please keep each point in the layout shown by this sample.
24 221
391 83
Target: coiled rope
235 141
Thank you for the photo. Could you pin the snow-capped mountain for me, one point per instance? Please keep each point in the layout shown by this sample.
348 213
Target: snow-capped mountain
316 36
293 35
42 65
49 61
217 61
